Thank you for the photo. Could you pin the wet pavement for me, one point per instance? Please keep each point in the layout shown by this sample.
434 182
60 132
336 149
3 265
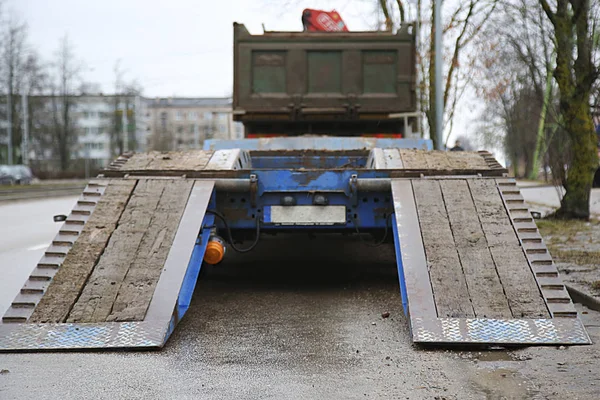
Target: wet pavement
302 319
26 230
547 198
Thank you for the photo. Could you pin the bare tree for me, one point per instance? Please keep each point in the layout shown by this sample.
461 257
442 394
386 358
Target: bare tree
66 78
512 76
122 132
13 57
462 23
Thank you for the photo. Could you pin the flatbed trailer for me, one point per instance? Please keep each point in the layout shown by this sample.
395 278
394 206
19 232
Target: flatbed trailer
472 266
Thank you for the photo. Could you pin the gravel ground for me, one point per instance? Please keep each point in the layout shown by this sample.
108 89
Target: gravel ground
311 327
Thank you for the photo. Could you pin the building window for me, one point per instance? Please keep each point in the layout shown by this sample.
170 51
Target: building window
208 116
180 129
179 115
163 120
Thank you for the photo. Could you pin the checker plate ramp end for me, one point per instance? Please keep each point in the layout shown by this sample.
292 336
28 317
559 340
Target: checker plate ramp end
425 324
160 319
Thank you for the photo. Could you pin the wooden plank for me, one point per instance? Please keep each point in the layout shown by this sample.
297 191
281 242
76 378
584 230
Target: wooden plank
522 291
437 160
519 284
492 214
447 278
191 160
466 160
99 293
413 159
137 289
68 282
485 288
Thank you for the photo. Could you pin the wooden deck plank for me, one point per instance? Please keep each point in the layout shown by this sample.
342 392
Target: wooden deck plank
137 288
466 160
437 160
413 159
156 161
447 278
492 214
99 293
485 288
72 275
522 291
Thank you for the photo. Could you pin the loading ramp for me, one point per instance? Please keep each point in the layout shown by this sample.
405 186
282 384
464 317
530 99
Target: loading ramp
122 269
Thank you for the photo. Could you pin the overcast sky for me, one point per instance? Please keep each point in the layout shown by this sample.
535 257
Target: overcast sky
175 47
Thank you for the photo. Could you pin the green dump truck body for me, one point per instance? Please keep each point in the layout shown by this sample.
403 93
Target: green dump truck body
298 81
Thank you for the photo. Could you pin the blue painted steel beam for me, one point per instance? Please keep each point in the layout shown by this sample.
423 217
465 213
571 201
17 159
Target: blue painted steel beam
371 209
317 143
400 266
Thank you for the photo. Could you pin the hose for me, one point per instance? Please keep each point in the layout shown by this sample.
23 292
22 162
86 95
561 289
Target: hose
222 218
385 233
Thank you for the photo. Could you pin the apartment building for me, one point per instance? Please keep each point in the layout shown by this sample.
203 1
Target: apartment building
103 126
178 123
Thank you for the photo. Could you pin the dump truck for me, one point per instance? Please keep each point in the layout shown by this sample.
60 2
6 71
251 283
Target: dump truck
330 149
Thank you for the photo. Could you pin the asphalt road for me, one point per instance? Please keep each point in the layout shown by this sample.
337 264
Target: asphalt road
274 327
26 230
546 198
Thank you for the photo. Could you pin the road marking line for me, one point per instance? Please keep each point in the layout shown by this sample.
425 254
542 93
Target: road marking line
38 247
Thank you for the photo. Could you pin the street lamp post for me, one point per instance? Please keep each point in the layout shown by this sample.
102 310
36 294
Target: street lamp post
439 105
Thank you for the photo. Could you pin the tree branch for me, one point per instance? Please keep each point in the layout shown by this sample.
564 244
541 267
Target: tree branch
548 11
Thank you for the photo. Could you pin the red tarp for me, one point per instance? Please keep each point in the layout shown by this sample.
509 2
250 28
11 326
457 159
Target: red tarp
322 21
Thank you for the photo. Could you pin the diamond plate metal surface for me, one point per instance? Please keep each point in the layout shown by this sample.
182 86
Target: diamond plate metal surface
23 337
499 331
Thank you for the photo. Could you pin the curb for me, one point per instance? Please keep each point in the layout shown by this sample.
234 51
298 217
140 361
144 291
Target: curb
580 297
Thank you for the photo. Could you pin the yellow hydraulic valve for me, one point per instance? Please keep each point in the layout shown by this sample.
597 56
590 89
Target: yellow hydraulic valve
215 250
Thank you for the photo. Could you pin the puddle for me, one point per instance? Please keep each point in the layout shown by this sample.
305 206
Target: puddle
494 356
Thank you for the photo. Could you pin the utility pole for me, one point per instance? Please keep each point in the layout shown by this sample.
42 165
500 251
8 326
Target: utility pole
439 102
25 140
9 127
124 131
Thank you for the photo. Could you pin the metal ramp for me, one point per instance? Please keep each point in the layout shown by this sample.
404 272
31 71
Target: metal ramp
123 280
122 269
474 268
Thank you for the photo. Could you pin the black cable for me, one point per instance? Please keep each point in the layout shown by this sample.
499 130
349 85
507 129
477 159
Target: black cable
222 218
385 233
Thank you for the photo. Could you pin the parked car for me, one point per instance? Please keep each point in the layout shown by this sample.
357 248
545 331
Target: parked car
15 175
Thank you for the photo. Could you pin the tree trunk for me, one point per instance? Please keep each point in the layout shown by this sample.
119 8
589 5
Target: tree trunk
432 106
576 202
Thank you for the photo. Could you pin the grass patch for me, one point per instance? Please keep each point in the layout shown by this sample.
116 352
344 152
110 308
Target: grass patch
578 257
550 227
596 285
